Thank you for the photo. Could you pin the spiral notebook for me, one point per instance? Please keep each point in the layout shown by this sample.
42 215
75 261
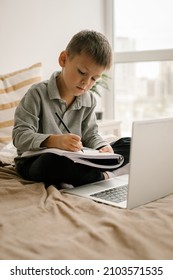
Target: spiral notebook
87 156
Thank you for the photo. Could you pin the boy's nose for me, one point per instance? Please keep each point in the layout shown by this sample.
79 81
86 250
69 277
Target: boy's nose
85 81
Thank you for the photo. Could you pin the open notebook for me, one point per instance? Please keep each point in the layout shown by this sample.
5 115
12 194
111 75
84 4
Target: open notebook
87 156
151 175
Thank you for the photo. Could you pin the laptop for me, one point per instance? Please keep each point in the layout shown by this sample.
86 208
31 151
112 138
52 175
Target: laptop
151 174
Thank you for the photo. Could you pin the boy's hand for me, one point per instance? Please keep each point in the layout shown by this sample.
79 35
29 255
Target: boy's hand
69 142
106 149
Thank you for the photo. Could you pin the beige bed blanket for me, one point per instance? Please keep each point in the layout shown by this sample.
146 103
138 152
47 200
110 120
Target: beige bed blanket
36 223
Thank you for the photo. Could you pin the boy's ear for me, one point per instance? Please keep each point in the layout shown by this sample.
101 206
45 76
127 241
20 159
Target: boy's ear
63 58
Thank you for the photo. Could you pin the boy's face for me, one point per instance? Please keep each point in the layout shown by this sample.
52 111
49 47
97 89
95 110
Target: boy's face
79 73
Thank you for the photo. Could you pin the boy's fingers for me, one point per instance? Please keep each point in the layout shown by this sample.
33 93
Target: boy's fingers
76 137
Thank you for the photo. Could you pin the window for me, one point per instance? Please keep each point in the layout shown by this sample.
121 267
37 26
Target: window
143 60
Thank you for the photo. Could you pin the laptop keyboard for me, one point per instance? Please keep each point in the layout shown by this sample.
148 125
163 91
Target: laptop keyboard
115 194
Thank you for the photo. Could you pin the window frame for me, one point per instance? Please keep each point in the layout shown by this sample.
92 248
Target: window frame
126 57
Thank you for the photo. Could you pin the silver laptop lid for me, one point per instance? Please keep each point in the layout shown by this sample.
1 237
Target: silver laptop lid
151 173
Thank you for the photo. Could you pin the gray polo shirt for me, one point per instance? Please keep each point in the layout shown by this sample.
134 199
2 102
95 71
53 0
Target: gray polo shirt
35 117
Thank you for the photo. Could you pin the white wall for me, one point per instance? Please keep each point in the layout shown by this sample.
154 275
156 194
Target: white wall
37 30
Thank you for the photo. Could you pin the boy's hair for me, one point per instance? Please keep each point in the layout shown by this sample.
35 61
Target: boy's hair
93 44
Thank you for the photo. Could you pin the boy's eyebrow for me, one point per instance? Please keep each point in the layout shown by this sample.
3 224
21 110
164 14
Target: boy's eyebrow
83 67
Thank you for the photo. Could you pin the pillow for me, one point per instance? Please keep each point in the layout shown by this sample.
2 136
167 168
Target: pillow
7 154
12 88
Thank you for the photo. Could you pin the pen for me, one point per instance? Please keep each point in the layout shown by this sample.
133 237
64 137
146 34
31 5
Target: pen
68 130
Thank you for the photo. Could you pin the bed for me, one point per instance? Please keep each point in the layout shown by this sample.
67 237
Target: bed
38 223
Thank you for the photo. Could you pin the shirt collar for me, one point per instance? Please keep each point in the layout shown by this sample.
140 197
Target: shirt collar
53 91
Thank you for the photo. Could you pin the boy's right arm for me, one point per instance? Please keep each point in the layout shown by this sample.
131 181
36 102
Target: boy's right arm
33 130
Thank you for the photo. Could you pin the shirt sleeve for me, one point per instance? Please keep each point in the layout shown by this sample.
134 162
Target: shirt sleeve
26 135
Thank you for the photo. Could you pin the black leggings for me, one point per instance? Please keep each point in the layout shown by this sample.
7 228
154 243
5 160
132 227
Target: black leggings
53 169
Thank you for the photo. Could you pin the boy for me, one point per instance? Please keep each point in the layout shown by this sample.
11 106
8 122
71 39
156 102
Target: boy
36 125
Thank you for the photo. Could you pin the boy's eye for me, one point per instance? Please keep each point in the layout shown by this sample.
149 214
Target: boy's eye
95 79
81 72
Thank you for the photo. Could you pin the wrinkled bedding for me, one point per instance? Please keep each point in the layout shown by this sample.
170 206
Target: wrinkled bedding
38 223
